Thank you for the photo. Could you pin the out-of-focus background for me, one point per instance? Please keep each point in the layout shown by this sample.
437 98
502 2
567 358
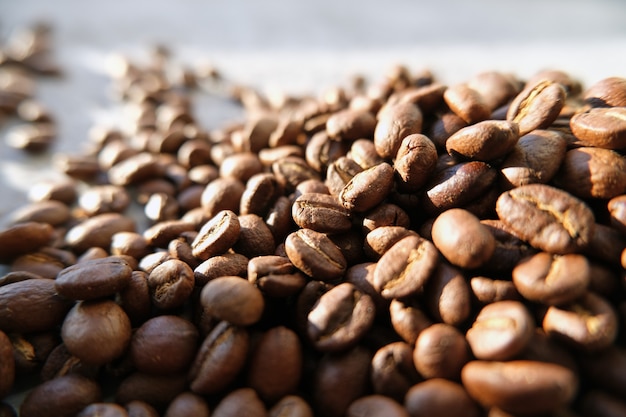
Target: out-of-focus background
299 47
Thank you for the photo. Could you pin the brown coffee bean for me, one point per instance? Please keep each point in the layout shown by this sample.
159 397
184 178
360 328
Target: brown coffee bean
104 199
462 239
466 103
222 194
279 220
339 174
537 106
256 133
164 345
52 212
160 234
260 194
275 366
217 236
601 127
500 331
509 251
47 262
549 219
311 186
291 406
7 365
255 237
220 358
488 290
135 298
376 405
617 211
448 295
293 170
93 279
381 239
161 207
219 266
23 238
440 397
240 402
63 190
321 212
339 380
367 188
608 92
552 279
241 166
457 186
62 396
188 404
275 276
405 268
340 318
103 410
427 97
535 159
170 284
588 323
98 231
592 173
392 371
349 124
441 352
408 320
520 387
32 137
496 88
395 122
315 255
444 127
415 161
138 408
31 306
270 155
135 169
96 332
155 390
363 152
233 299
130 244
484 141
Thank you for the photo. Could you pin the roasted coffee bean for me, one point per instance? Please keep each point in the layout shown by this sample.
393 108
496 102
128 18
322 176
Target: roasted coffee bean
500 331
135 169
279 220
466 103
383 215
164 345
171 284
549 219
219 266
487 290
233 299
588 323
509 250
321 212
617 211
367 188
339 174
363 152
52 212
222 194
260 194
321 150
32 137
155 390
98 231
405 268
376 405
96 332
275 275
395 122
484 141
23 238
414 162
7 365
62 396
496 88
608 92
292 406
104 199
408 320
520 387
392 370
135 298
381 239
552 279
31 306
255 237
220 358
217 235
103 410
130 244
537 106
592 173
136 408
240 402
440 397
448 295
311 186
160 234
275 366
93 279
63 190
601 127
161 207
441 352
188 404
315 255
535 158
340 318
292 170
462 239
241 166
350 125
47 262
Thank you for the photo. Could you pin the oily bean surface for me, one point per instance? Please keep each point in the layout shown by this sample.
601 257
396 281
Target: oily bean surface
93 279
315 255
233 299
537 106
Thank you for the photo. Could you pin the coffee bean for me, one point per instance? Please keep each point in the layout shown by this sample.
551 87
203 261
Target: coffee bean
484 141
137 408
440 397
135 298
466 103
275 276
62 396
608 92
462 239
157 391
405 268
339 174
103 410
488 290
222 194
292 170
162 233
321 212
350 125
7 365
23 238
440 352
588 323
601 127
220 358
52 212
171 284
448 295
98 231
377 404
219 266
617 210
232 299
395 122
363 152
260 194
240 402
255 237
548 218
408 320
93 279
393 371
217 236
500 331
367 188
188 403
315 255
496 88
340 318
63 190
552 279
520 387
291 405
414 162
537 106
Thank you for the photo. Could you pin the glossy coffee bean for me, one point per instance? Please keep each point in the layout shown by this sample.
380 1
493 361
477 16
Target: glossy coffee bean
240 402
98 231
188 403
321 212
233 299
441 351
103 410
23 238
395 122
292 406
448 295
93 279
62 396
367 188
440 397
171 284
467 103
217 236
377 405
315 255
484 141
392 370
537 106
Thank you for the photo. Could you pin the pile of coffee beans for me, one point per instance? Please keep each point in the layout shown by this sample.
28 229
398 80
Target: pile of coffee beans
395 247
